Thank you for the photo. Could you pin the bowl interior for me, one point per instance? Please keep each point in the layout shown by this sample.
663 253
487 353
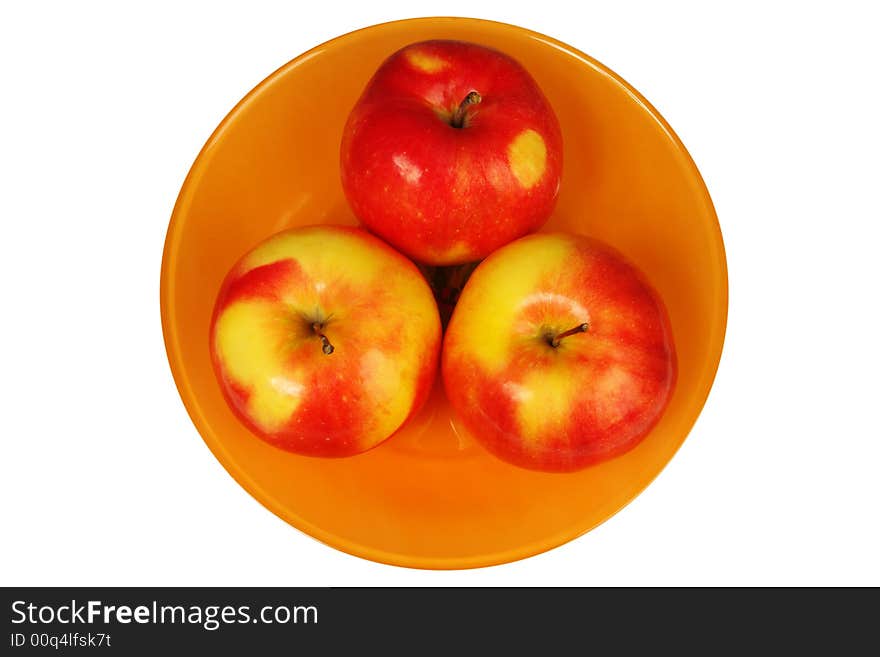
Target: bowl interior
430 496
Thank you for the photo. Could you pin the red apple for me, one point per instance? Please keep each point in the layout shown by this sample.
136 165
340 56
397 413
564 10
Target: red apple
558 354
325 340
451 152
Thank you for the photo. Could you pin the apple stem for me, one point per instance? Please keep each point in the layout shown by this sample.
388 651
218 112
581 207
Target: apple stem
580 328
457 120
326 347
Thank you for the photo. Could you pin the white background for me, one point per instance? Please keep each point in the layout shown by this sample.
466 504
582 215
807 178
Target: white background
104 479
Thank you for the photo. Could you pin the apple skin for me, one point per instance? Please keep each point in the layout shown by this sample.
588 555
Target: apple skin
592 397
373 307
445 195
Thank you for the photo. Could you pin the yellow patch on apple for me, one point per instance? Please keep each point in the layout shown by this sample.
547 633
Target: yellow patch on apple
390 384
246 338
425 62
527 155
548 405
317 251
458 251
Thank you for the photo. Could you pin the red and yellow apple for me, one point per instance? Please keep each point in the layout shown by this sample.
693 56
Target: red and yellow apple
325 340
558 355
451 152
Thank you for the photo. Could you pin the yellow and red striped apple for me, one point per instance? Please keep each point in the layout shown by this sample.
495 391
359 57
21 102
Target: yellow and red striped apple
451 152
325 340
558 354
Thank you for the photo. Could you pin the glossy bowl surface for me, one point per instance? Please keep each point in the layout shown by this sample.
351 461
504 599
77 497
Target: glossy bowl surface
430 497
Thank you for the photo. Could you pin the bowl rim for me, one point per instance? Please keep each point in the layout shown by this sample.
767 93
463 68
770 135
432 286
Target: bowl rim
175 359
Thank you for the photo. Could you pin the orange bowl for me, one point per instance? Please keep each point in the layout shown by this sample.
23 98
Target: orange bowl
430 497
